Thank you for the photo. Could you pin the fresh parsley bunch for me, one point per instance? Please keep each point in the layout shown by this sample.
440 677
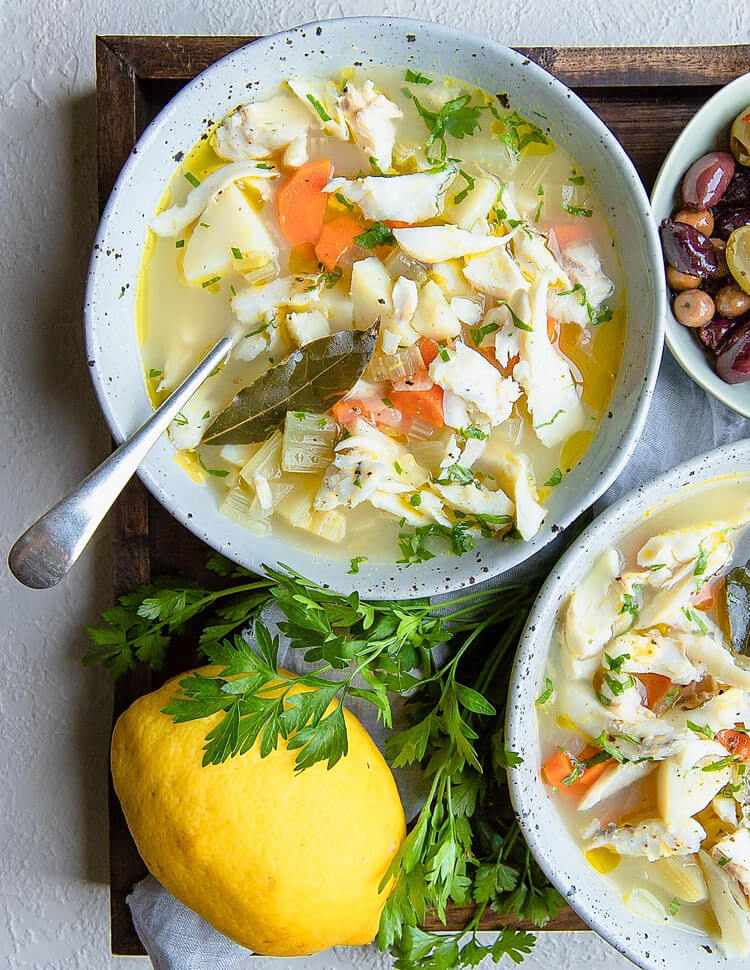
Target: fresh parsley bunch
464 846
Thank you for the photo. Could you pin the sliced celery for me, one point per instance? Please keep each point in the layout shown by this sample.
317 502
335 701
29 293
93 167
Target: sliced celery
266 461
308 442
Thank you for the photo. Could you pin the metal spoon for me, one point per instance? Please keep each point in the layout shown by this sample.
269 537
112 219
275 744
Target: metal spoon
46 551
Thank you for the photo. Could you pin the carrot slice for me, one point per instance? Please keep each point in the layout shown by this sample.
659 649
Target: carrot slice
568 233
335 239
736 742
560 765
345 412
552 329
708 597
427 405
428 349
656 687
396 224
302 202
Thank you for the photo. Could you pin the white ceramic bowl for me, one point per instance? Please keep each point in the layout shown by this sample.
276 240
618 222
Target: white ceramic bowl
592 896
323 48
707 131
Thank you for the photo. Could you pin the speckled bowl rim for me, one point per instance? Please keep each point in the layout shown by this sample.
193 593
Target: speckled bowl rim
531 801
444 573
666 185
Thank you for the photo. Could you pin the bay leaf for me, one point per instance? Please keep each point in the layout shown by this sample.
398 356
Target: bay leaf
312 378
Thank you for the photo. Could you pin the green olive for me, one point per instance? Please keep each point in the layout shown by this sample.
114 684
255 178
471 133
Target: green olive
739 137
693 308
731 301
738 257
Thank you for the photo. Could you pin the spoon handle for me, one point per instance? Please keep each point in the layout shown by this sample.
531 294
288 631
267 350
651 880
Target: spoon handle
47 550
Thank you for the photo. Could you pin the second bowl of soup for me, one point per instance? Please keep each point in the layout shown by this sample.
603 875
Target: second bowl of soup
636 671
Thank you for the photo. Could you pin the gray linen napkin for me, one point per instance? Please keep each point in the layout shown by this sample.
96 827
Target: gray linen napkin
684 421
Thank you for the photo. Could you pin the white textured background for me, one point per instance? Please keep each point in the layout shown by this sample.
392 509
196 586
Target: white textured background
54 715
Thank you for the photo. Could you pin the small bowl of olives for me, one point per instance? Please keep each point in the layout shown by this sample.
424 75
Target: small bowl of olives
701 201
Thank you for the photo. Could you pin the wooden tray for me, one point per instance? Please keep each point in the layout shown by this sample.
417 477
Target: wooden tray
645 95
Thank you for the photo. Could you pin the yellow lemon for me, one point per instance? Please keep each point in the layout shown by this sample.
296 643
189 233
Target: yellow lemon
284 864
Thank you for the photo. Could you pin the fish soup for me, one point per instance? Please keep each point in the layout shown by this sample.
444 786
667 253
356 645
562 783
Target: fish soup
645 710
426 308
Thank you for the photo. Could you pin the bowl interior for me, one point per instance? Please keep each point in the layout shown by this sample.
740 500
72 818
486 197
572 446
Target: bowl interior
706 131
323 48
591 895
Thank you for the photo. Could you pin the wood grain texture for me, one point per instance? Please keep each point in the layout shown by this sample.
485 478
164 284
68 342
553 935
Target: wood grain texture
645 95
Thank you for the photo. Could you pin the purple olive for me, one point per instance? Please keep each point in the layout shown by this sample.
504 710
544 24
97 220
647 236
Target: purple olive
738 190
728 218
688 250
706 181
733 363
712 336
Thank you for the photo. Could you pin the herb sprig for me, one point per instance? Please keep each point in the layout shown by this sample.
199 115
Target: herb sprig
465 845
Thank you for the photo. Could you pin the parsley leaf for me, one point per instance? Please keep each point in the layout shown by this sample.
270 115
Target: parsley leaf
416 77
469 187
456 117
546 694
555 478
319 109
377 235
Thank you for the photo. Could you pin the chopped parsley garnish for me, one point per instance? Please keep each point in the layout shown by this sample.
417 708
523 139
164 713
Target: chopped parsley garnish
265 166
577 210
455 474
701 563
720 764
192 179
703 729
204 225
596 316
180 419
179 244
555 478
344 201
674 906
232 290
605 744
261 329
319 109
154 373
517 321
473 432
414 545
415 500
237 253
552 420
374 165
618 687
577 179
630 605
457 118
547 692
615 663
540 204
399 469
354 565
214 279
517 133
444 355
693 617
216 472
206 415
329 279
469 187
479 333
416 77
377 235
